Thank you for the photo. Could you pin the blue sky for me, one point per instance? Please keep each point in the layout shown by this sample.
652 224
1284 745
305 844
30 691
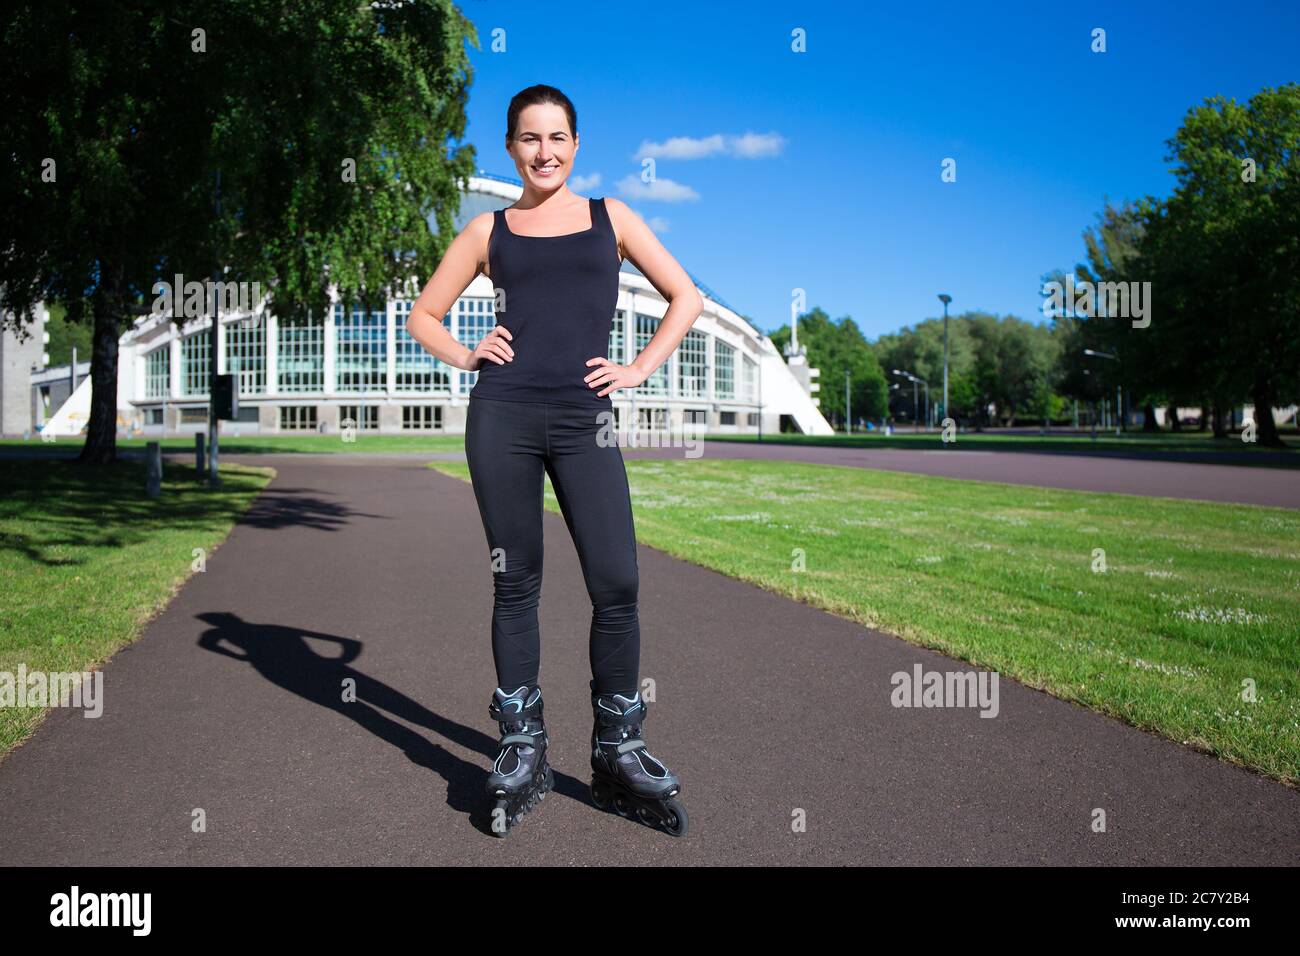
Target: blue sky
826 171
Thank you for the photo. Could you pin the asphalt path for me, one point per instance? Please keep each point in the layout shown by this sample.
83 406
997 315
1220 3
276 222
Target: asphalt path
775 715
1238 484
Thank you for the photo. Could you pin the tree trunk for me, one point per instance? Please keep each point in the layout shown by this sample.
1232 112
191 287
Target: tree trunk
1219 419
1149 423
101 431
1175 424
1265 427
1203 422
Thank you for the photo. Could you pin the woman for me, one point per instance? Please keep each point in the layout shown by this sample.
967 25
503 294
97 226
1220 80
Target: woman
542 402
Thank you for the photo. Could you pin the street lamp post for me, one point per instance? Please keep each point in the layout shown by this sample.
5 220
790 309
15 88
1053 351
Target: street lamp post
914 379
945 299
1119 391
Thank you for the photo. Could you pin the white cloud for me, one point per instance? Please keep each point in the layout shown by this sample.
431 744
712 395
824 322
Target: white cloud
682 147
658 224
661 190
746 146
757 145
580 184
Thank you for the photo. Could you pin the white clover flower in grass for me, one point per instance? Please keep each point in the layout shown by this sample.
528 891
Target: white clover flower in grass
1218 615
1162 668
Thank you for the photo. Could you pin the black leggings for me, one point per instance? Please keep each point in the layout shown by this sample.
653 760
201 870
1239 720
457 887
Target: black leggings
507 444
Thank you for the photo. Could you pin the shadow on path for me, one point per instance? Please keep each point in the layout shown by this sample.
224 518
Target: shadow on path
283 656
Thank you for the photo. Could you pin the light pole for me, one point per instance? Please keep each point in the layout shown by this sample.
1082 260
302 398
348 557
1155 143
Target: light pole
1119 391
945 298
916 419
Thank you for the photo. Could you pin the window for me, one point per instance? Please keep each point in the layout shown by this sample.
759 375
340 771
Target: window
749 372
194 416
300 365
751 419
246 354
421 417
360 417
655 419
157 372
195 350
692 376
153 416
691 415
474 319
616 337
361 348
415 369
727 418
297 418
657 383
724 373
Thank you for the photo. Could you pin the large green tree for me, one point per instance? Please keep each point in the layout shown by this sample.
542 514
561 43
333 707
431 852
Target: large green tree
1235 216
297 145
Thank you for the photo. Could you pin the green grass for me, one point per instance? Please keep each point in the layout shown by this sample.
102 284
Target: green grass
88 559
1195 598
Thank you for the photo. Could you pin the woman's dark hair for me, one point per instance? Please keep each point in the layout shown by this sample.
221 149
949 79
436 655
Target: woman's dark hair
531 97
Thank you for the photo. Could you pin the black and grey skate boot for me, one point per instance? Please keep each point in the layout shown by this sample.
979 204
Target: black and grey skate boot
520 776
624 774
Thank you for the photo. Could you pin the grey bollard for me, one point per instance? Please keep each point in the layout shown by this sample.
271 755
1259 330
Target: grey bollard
153 461
198 455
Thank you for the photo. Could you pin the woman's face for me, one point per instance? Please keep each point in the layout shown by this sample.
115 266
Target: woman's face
543 146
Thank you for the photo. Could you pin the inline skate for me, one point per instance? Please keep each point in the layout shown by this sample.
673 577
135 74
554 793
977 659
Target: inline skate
624 774
520 776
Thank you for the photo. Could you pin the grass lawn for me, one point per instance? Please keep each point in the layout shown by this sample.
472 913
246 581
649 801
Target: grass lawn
87 559
1195 599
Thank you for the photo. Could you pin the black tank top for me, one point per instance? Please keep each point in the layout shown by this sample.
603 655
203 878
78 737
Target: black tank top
560 293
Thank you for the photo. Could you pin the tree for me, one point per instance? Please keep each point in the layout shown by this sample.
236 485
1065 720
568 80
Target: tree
1236 214
834 348
131 124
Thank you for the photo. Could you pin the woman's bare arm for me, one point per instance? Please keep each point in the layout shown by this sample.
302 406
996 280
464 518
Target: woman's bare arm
463 261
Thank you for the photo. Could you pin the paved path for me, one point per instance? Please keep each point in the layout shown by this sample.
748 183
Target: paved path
765 707
1243 484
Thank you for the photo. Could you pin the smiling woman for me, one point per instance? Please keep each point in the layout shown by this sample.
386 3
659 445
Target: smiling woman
540 407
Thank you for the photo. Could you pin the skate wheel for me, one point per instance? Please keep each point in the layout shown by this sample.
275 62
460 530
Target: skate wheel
600 794
622 805
676 820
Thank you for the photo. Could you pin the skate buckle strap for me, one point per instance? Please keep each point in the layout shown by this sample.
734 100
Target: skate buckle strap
635 715
514 717
627 746
528 740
